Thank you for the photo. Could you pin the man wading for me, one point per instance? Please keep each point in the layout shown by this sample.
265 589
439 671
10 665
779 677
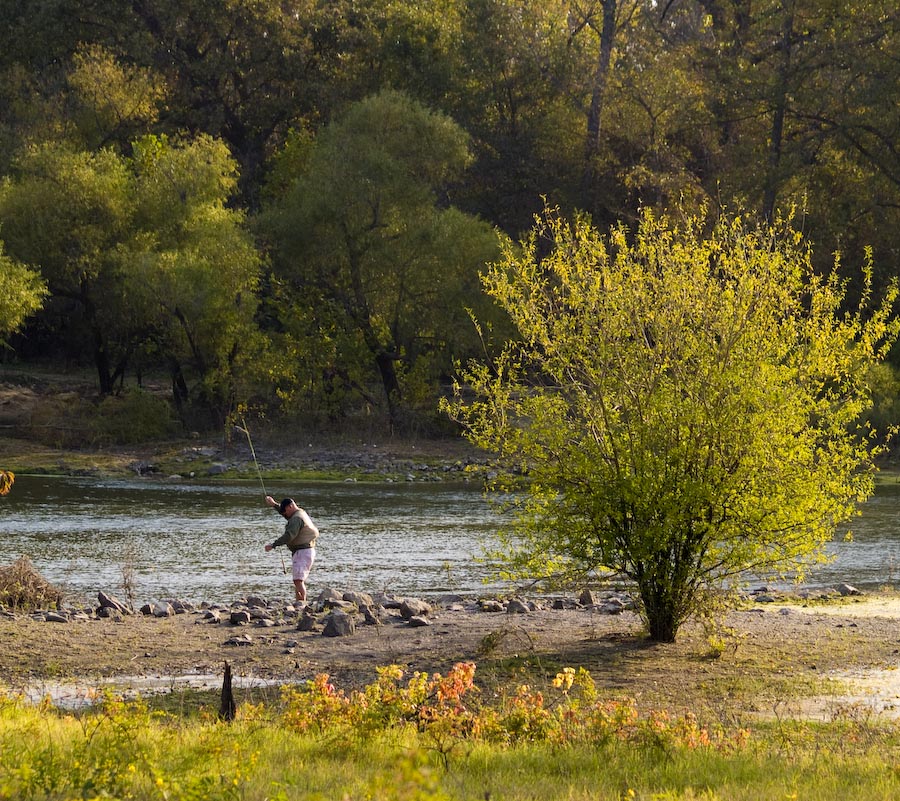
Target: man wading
300 537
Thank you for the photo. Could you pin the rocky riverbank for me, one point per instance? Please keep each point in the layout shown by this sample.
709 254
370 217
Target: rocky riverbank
775 650
288 457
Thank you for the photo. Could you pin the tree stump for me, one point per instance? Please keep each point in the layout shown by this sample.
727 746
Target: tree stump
227 708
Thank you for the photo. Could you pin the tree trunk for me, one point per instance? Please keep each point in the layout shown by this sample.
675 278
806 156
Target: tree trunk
779 103
180 392
391 383
660 614
101 353
598 93
661 626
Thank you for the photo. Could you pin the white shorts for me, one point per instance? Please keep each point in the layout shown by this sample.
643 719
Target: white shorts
302 562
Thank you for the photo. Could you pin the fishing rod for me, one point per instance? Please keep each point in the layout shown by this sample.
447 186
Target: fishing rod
246 431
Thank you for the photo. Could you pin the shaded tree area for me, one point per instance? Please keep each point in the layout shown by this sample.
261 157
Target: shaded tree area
287 205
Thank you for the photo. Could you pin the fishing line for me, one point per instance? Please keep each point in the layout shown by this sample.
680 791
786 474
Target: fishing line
243 428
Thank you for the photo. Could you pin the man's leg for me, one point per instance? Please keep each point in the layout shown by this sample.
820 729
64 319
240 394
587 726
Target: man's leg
300 589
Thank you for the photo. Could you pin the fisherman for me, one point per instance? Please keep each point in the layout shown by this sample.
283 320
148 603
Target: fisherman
300 535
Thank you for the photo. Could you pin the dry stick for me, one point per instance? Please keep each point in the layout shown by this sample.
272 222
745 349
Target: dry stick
258 473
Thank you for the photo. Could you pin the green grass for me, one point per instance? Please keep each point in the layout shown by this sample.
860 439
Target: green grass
417 742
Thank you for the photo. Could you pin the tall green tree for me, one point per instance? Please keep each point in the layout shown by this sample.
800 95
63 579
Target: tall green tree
804 100
371 247
686 405
518 89
140 254
67 212
22 293
194 270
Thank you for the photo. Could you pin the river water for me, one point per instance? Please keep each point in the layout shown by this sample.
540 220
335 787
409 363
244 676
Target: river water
204 541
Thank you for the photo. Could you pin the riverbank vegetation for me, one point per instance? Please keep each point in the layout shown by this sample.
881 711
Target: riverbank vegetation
283 211
436 737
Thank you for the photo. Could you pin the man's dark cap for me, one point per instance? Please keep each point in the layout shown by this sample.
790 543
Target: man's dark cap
284 504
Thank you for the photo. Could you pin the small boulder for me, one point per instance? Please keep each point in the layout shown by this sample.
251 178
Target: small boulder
110 602
417 621
329 594
163 610
361 599
307 621
240 617
612 606
338 624
414 607
587 598
517 607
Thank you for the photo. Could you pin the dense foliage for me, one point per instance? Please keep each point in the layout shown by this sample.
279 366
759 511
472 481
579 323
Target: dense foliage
686 404
287 205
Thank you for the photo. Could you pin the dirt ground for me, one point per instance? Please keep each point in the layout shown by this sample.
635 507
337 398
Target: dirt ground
767 657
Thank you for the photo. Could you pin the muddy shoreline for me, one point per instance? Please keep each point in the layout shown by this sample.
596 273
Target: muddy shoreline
765 657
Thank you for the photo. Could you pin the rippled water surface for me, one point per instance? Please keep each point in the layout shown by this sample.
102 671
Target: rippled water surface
205 541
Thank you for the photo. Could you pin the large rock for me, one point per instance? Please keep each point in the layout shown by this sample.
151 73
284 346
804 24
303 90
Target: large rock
338 624
414 607
110 602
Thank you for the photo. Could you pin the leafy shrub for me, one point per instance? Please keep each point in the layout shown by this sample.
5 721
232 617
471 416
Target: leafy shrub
135 416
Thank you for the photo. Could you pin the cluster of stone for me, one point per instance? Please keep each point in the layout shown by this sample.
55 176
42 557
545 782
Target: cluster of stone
210 461
335 613
768 595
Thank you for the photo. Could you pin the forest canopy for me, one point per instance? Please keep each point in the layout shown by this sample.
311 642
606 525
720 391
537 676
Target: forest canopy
284 208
